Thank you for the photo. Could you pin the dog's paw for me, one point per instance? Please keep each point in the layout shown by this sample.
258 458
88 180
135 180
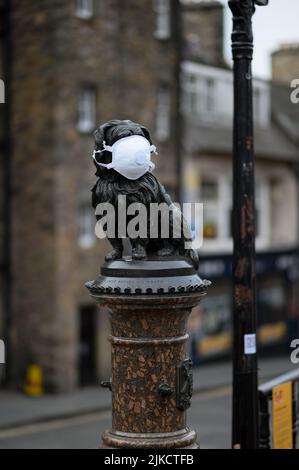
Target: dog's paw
114 254
139 253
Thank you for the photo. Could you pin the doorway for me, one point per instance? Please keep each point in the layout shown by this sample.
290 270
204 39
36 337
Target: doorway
87 346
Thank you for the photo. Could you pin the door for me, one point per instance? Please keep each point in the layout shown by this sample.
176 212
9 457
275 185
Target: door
87 347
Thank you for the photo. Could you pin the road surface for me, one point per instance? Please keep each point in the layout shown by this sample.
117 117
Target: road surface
210 417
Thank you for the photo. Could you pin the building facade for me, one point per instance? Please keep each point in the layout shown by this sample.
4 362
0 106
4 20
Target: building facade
75 64
207 103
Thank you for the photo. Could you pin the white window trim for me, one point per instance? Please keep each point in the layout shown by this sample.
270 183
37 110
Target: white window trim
87 116
163 113
162 10
87 237
84 9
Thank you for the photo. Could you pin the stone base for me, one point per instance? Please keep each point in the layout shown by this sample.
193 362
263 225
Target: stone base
184 439
149 303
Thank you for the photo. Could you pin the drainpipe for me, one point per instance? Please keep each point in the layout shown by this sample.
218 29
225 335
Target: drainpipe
7 170
177 20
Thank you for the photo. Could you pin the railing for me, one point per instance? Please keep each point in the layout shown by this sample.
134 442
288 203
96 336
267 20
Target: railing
265 398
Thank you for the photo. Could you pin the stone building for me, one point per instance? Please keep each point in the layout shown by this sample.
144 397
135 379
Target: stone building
75 64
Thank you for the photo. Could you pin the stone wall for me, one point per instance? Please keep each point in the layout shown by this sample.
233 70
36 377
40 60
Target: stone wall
55 54
203 31
285 64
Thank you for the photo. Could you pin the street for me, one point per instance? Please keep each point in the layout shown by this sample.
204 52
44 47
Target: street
210 416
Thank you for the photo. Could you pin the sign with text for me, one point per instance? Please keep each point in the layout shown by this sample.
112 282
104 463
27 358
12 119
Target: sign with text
282 416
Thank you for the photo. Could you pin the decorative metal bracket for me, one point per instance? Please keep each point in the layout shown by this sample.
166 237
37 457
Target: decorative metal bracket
184 385
242 37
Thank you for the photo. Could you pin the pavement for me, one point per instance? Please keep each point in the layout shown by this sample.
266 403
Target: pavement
16 409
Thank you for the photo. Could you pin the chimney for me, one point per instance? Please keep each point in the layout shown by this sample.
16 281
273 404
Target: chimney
203 31
285 63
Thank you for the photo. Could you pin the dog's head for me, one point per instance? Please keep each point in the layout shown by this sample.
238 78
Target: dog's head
111 132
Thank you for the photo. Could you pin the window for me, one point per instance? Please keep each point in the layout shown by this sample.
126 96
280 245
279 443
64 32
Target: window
198 95
261 103
216 195
84 9
163 19
210 196
87 223
190 94
87 110
163 113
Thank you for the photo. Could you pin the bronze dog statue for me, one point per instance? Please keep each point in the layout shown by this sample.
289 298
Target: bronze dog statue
143 190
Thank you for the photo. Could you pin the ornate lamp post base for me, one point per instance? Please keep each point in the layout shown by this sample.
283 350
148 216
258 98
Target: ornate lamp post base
184 439
149 304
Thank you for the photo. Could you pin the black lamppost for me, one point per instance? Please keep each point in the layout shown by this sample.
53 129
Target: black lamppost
245 381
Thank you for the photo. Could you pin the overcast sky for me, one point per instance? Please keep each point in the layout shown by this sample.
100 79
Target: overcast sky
275 24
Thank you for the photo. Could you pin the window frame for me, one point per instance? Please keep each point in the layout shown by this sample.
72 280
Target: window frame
199 95
85 12
163 113
86 226
87 123
163 20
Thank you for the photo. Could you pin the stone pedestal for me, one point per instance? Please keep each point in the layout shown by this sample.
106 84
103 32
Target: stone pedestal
149 303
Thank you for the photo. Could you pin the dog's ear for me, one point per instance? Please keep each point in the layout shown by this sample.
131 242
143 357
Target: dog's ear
146 134
100 134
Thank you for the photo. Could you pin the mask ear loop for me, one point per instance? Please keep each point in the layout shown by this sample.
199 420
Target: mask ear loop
106 148
153 149
95 158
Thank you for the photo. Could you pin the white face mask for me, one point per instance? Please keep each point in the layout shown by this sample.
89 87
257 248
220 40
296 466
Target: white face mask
131 156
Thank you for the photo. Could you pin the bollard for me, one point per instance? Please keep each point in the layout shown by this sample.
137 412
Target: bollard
149 303
34 381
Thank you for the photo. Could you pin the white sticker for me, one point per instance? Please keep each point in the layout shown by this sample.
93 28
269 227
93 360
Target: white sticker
250 344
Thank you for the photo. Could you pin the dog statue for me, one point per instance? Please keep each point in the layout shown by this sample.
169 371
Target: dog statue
122 159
